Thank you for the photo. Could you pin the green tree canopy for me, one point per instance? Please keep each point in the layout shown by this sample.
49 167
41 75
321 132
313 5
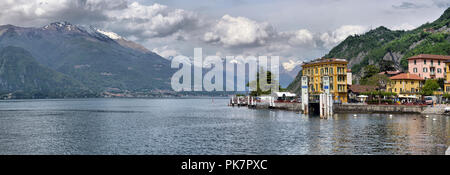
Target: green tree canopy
261 85
429 87
376 80
371 70
387 65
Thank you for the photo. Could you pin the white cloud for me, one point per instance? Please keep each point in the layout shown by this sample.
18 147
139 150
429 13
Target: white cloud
302 37
239 31
246 33
291 64
340 34
150 20
404 26
128 19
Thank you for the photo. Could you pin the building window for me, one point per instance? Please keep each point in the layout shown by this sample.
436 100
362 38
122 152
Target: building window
431 62
412 82
439 70
425 69
439 62
415 62
415 70
425 62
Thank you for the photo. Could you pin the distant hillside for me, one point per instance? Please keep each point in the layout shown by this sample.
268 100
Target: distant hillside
22 75
384 44
358 49
397 46
100 61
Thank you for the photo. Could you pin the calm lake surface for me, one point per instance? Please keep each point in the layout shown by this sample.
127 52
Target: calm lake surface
198 126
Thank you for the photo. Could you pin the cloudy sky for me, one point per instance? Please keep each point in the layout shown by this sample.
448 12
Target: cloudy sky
292 29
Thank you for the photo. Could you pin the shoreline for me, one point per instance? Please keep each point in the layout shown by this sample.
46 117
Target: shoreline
438 109
186 97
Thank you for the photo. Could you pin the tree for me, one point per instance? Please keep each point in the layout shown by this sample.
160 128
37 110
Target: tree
429 87
270 84
376 80
370 70
387 65
441 82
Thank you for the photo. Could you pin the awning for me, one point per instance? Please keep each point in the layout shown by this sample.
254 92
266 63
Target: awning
362 96
408 96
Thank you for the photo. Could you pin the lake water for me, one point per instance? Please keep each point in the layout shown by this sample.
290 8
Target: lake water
198 126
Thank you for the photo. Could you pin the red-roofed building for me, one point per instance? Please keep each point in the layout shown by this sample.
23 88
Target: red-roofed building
405 83
428 66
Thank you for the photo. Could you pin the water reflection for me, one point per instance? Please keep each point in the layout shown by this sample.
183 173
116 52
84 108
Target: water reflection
197 126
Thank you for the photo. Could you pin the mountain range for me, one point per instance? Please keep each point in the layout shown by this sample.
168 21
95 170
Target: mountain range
385 44
85 57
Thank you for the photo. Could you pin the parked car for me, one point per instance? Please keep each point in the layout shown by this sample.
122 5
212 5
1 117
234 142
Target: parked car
429 100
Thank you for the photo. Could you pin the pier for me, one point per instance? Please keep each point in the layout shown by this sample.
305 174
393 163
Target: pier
265 103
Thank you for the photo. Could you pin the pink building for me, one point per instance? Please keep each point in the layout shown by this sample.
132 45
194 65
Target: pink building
428 66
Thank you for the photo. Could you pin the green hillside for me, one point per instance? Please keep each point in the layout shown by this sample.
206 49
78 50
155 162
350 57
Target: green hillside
396 46
382 43
24 77
97 61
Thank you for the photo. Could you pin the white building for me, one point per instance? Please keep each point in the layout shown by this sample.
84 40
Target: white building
283 96
349 77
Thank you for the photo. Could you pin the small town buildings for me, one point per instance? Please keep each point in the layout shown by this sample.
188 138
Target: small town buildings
447 77
6 96
284 96
335 69
355 90
428 66
405 84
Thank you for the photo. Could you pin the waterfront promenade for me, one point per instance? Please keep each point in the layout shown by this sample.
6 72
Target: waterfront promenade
438 109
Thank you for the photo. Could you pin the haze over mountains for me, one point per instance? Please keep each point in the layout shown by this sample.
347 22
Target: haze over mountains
94 59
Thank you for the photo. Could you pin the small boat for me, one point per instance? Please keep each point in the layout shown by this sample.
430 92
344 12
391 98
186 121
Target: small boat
447 110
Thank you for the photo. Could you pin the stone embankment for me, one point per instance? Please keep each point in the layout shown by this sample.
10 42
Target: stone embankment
414 109
358 108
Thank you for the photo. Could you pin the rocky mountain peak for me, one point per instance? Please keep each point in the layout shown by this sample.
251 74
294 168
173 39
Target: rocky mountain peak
63 27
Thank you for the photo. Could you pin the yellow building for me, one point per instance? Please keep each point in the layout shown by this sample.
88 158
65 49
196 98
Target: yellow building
405 84
447 77
336 69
